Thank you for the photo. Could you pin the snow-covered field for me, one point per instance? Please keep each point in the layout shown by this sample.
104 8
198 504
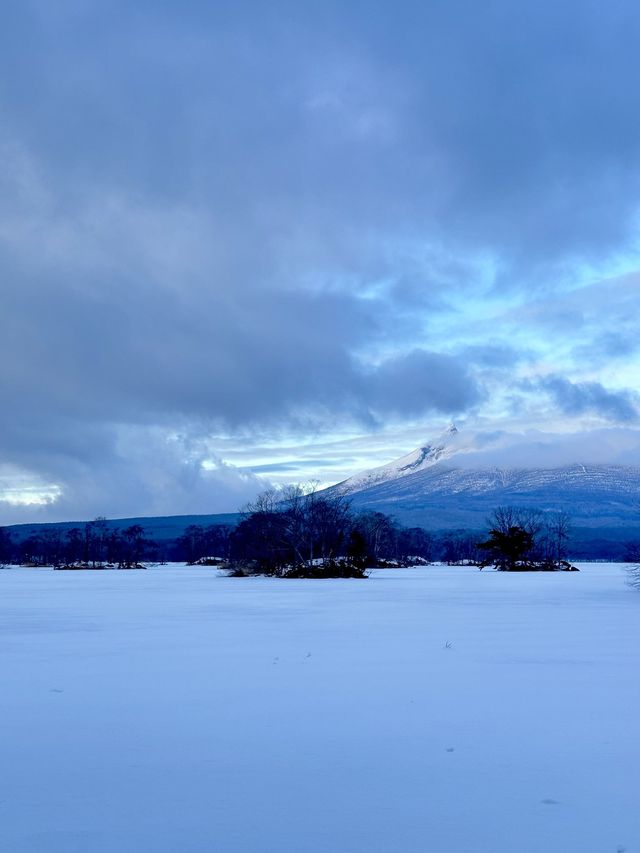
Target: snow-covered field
432 710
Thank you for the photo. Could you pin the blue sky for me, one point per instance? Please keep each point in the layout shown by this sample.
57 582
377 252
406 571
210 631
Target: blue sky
250 242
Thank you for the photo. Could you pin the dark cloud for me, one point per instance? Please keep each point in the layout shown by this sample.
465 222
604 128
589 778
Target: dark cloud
498 356
131 472
246 216
609 346
509 127
420 381
577 398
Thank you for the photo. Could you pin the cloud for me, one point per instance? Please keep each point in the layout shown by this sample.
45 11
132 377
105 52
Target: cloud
534 448
499 356
131 472
231 219
420 382
578 398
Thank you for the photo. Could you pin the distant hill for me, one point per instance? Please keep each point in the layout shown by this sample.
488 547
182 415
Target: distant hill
162 528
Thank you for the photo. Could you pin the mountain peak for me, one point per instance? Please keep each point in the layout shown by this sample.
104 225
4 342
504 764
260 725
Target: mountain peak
420 459
457 480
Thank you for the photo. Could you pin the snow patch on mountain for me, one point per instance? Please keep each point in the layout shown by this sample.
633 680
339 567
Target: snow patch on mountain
457 480
441 449
499 456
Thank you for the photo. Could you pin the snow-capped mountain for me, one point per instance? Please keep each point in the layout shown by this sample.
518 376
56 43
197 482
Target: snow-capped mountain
456 480
444 447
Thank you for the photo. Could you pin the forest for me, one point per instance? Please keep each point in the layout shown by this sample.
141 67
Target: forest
295 532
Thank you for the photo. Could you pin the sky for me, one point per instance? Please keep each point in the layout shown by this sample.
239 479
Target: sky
247 243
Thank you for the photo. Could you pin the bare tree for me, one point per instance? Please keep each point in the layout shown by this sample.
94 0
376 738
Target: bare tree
379 533
6 547
560 531
523 538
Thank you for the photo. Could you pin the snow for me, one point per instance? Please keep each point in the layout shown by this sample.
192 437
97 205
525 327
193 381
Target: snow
421 459
458 479
428 709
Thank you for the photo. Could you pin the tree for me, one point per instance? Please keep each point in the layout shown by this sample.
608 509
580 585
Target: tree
507 549
73 546
415 542
52 547
632 552
95 538
6 546
459 547
191 543
379 534
261 539
133 547
218 539
295 532
31 550
632 555
559 533
522 539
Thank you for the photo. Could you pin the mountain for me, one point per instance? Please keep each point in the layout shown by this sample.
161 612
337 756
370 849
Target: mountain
159 528
456 481
421 459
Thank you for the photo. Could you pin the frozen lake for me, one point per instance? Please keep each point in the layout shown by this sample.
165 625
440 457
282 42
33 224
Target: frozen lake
431 710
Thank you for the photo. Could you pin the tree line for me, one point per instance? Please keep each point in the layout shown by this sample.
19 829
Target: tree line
281 528
294 532
92 545
100 543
